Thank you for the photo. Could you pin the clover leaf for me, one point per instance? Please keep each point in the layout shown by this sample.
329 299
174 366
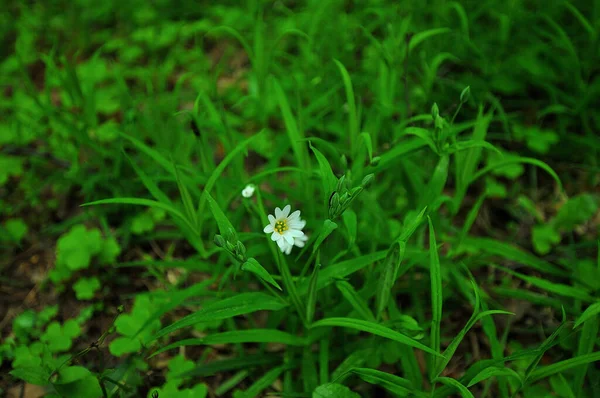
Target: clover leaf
128 325
86 287
10 166
60 338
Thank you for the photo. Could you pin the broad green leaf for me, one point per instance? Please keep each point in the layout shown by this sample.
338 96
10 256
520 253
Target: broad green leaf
254 266
243 303
494 372
373 328
333 390
355 300
225 226
464 391
389 273
239 336
32 375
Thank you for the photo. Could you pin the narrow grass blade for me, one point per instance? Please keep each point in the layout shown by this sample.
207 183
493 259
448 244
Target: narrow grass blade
225 226
390 382
263 383
243 303
464 391
435 273
587 342
186 198
494 372
240 336
373 328
589 312
294 133
366 138
227 365
310 377
389 273
420 37
290 286
311 301
352 111
254 267
328 179
355 300
546 371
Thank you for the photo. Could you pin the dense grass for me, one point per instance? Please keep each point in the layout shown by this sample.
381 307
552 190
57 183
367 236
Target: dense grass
445 158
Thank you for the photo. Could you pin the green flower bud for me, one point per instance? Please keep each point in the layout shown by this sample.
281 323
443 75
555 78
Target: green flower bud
375 161
230 247
355 192
335 201
465 94
241 249
344 161
340 184
435 111
219 240
367 180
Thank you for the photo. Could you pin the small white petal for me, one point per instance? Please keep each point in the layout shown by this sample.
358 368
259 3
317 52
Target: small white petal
268 229
286 210
282 244
295 233
297 224
277 213
276 237
288 238
299 243
288 249
294 216
272 219
248 191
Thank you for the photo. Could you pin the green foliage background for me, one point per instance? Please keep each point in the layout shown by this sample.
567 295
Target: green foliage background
445 155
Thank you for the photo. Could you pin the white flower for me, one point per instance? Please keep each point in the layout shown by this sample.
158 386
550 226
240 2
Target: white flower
248 191
286 229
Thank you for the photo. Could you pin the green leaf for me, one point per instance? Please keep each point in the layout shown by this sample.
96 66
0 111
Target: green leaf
237 337
350 222
373 328
144 202
518 160
333 390
186 198
589 312
366 137
243 303
576 211
546 371
411 225
70 374
420 37
353 121
340 270
311 301
328 179
543 238
494 372
355 300
262 383
326 230
295 135
85 288
225 226
32 374
389 273
436 291
390 382
16 229
254 267
464 392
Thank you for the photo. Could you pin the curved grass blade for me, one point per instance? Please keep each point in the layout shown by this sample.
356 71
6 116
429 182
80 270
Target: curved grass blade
464 391
422 36
239 336
294 133
389 273
589 312
373 328
357 302
243 303
328 179
352 111
546 371
494 372
436 292
311 301
263 383
390 382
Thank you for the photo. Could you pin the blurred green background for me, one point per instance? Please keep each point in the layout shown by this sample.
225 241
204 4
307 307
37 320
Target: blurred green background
483 114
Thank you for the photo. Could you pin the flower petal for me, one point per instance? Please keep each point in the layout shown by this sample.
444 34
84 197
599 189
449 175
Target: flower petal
288 238
288 249
295 233
268 229
271 219
282 244
276 237
286 210
298 224
277 213
294 216
299 243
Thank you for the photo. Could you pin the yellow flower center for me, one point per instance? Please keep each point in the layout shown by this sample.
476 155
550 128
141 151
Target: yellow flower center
281 226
